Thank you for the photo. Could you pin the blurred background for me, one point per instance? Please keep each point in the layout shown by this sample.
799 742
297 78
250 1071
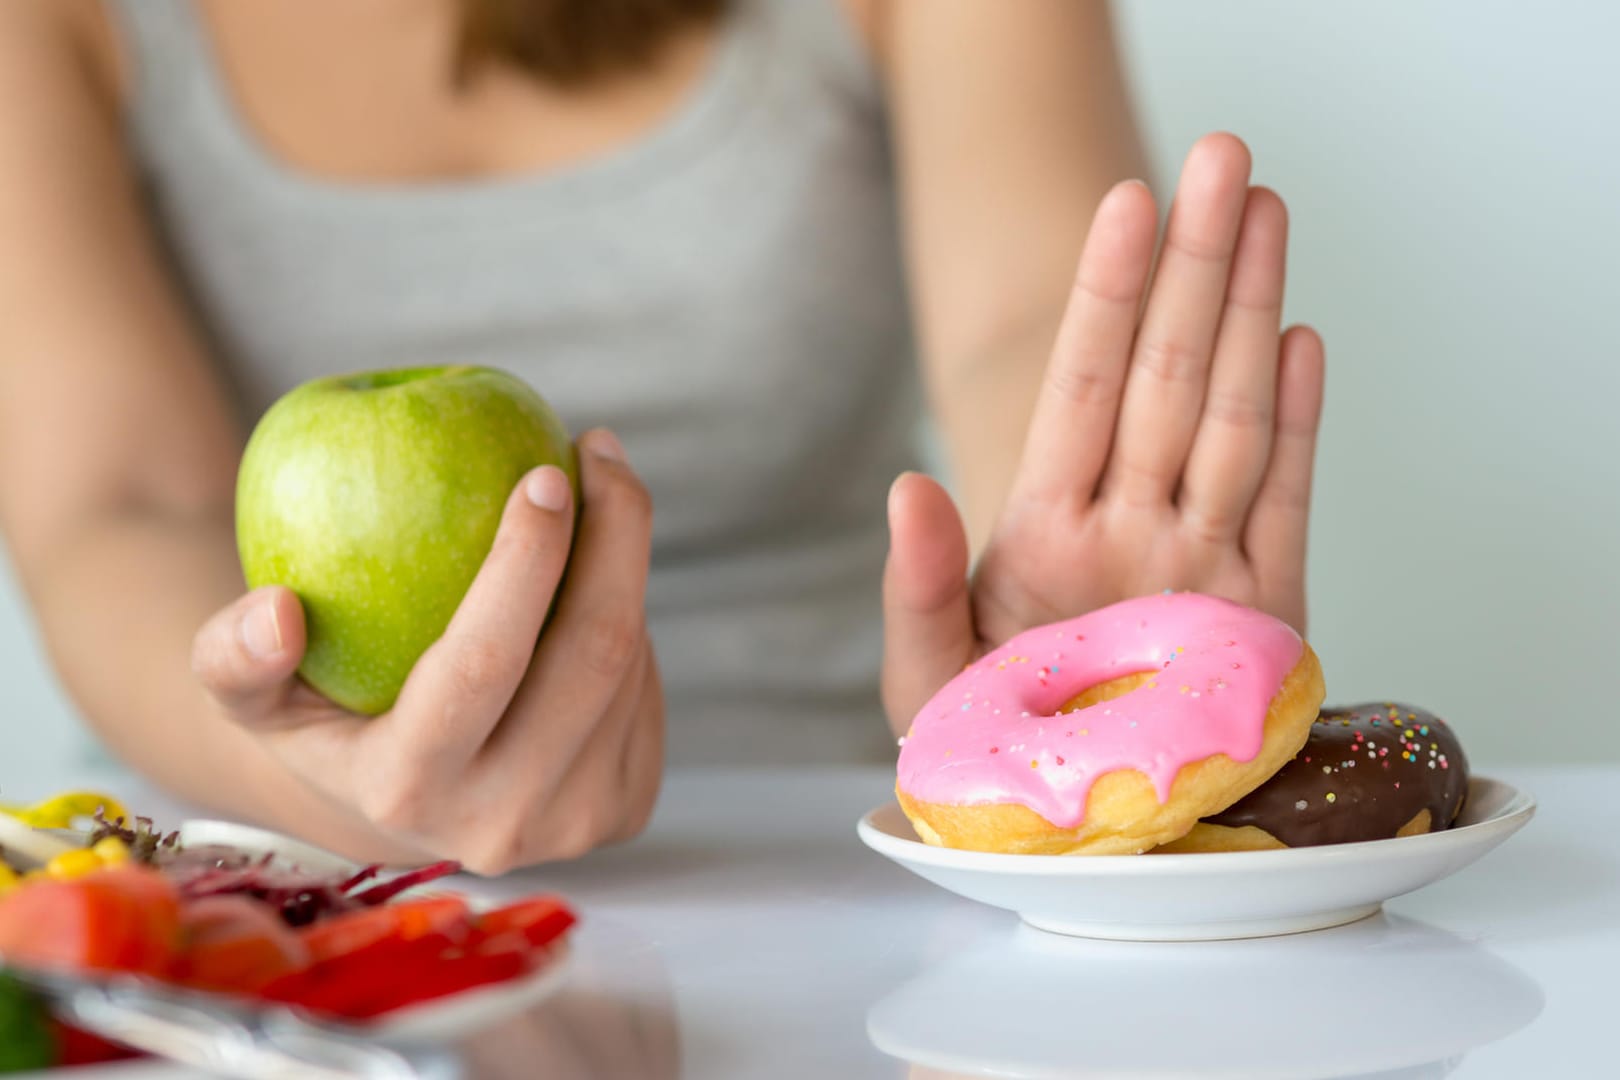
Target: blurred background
1454 177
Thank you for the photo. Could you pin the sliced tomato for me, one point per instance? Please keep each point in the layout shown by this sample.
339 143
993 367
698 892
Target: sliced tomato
123 919
538 921
407 920
236 944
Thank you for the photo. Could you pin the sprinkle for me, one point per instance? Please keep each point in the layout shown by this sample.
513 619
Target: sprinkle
1133 723
1060 759
901 741
1236 666
995 749
1327 768
1085 731
1332 797
1424 730
1302 804
1034 764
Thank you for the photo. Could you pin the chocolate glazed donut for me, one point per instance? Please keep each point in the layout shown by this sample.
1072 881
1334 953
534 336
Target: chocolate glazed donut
1367 772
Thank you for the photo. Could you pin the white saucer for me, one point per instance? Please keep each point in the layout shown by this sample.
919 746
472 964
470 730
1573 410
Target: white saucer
1385 996
1207 897
440 1020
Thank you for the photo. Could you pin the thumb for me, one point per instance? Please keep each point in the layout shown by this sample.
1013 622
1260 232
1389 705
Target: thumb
928 630
245 656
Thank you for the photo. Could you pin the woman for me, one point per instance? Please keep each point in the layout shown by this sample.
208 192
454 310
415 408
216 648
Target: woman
678 219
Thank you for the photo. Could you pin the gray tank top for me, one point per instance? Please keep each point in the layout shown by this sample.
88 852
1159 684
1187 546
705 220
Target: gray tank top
726 293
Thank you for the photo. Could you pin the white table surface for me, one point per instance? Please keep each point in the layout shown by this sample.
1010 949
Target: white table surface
750 934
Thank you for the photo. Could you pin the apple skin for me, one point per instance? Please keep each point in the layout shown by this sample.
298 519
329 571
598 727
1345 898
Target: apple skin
375 497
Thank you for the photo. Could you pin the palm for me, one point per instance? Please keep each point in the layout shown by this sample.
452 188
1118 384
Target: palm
1028 575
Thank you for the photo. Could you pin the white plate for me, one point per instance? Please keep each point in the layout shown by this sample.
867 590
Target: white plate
1212 896
445 1019
1380 995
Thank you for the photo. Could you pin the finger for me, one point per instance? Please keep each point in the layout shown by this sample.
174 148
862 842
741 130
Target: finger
1164 389
591 802
600 622
927 613
458 690
246 656
1276 532
643 771
1073 422
1233 442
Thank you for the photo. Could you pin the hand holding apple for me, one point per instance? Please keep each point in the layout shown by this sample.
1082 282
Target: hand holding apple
375 497
497 752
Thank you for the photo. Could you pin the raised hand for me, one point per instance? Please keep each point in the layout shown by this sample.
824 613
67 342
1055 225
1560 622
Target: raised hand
1171 447
497 753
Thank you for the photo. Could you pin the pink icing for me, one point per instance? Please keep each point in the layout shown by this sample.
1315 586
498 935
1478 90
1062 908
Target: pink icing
991 736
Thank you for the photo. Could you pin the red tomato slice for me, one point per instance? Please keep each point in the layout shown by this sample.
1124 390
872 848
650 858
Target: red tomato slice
539 921
124 919
236 944
408 920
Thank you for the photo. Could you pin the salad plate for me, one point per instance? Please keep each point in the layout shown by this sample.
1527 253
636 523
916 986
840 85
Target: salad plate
1207 896
218 935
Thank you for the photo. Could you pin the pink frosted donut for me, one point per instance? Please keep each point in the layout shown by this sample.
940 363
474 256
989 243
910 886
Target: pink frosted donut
1112 732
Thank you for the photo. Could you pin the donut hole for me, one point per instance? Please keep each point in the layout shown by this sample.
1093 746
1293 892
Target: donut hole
1106 691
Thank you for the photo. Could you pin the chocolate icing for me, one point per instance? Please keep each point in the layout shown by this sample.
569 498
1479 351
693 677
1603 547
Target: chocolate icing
1365 771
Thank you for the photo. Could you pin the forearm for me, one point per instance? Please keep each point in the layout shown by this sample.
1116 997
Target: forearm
983 404
1011 123
119 600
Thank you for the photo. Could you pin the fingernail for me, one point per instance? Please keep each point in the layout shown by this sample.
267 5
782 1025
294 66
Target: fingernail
260 631
894 492
547 488
605 444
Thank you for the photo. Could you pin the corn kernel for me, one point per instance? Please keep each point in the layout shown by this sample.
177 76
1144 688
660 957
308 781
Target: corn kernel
111 850
73 864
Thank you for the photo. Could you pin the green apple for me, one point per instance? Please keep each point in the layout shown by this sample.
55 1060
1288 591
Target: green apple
375 498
